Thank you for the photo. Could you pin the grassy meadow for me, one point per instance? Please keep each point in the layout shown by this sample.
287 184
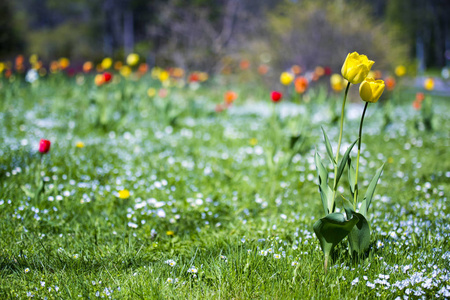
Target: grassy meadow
221 200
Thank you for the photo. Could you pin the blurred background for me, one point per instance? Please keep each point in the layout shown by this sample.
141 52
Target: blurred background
212 35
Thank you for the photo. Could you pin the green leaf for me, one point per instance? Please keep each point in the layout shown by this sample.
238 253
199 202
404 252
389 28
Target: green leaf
27 192
332 229
370 191
343 162
359 237
328 145
348 207
324 189
351 176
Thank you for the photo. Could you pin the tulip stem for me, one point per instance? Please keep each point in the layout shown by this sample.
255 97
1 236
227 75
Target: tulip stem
355 196
339 143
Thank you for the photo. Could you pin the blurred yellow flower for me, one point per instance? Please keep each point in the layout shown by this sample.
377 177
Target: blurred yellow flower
253 141
400 71
151 92
2 67
125 71
356 67
429 84
163 76
203 76
370 90
170 233
124 194
337 82
132 59
106 63
286 78
390 160
79 145
33 59
64 62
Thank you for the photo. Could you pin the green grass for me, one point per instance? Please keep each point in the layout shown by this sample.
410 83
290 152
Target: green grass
234 206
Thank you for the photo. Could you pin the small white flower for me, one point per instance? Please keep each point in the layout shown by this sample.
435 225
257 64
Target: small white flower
294 263
277 256
192 270
27 270
171 262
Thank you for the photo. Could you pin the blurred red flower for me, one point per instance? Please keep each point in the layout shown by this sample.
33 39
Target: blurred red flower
390 83
107 76
420 97
276 96
44 146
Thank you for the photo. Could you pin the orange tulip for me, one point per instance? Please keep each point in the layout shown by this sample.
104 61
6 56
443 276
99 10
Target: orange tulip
301 84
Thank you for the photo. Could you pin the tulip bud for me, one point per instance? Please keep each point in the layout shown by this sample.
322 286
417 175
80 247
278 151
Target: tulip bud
370 90
276 96
356 67
44 146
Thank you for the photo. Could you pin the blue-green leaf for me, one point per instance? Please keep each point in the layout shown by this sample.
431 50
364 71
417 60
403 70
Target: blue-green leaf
351 176
332 229
370 191
343 162
324 189
329 149
359 237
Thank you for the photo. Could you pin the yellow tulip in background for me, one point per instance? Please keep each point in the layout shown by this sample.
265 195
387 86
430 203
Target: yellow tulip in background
132 59
356 67
429 84
337 82
125 71
400 71
370 90
106 63
286 78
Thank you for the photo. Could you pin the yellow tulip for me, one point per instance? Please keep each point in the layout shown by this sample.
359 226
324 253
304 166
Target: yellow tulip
370 90
337 82
356 67
151 92
132 59
429 84
106 63
163 76
400 71
124 194
125 71
286 78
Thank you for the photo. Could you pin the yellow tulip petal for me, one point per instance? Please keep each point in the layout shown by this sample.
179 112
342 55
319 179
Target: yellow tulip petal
365 91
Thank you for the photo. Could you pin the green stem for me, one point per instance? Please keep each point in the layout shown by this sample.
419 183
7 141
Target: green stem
357 159
339 144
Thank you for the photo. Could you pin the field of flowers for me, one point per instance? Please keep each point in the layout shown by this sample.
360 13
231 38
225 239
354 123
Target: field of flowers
141 183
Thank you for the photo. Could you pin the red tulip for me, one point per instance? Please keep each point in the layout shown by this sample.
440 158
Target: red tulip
276 96
107 76
44 146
